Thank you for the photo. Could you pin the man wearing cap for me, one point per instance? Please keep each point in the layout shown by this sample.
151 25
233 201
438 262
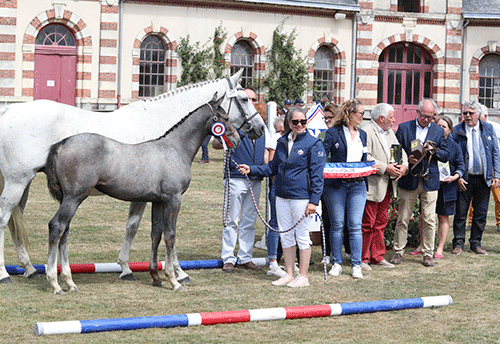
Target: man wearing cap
288 105
298 102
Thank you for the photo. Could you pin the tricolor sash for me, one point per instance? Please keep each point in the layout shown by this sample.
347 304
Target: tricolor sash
349 169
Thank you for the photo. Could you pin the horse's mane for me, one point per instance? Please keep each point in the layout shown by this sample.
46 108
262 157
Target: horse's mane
179 103
182 120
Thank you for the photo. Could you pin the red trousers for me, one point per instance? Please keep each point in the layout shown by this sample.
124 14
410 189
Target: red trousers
375 219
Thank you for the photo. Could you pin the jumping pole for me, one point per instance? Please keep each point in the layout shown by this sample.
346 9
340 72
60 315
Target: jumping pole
135 267
230 317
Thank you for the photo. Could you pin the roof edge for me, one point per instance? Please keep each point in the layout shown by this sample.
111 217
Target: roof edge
311 4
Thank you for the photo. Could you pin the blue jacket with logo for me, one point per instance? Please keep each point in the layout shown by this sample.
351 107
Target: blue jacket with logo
491 151
248 153
299 175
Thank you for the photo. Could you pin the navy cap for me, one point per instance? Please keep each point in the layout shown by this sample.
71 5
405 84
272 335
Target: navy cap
288 102
298 101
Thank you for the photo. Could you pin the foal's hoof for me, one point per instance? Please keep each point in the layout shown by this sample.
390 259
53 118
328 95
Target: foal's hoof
59 292
128 277
185 281
6 280
74 290
34 275
158 284
178 288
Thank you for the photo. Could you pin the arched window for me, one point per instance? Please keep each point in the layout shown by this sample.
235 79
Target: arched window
242 57
323 72
405 76
57 35
152 67
489 81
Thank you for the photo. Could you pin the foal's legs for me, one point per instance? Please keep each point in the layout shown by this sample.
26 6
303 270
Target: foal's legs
135 212
172 208
58 235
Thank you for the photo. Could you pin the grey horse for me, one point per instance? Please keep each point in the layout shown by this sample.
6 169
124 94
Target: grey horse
157 171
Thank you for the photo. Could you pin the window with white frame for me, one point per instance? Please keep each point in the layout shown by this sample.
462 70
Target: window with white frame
152 67
242 57
324 68
489 81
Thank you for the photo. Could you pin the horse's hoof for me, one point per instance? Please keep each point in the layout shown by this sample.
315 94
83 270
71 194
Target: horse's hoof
158 284
128 277
185 281
177 288
6 280
74 290
59 292
34 275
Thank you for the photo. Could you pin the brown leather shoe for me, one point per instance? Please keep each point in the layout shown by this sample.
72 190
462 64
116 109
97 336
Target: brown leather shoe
249 266
457 250
428 261
228 267
480 250
396 259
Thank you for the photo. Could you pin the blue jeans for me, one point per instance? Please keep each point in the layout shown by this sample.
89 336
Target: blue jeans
204 148
346 203
272 236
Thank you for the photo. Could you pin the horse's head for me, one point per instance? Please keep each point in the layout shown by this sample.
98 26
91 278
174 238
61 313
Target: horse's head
219 115
242 113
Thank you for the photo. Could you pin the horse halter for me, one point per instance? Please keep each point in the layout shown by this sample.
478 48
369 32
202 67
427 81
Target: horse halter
246 126
225 117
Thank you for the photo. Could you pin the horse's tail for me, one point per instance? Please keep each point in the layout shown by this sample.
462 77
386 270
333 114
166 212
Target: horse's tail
51 172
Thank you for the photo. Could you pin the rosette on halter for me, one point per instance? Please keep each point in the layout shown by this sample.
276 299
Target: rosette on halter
349 169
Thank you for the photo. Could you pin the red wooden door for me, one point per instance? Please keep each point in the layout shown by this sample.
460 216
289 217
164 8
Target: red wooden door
55 65
405 77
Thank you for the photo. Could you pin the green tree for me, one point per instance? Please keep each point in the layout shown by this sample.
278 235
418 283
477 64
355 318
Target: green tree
202 62
193 61
288 74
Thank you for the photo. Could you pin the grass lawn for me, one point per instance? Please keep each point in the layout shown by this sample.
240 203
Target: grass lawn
96 235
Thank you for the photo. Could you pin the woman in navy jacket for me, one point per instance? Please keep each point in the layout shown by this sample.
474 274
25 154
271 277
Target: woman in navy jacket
346 198
298 166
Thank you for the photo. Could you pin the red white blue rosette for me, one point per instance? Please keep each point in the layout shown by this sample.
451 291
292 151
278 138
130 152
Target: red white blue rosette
348 169
218 129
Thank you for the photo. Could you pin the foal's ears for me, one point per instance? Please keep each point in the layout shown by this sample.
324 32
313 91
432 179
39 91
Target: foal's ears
217 101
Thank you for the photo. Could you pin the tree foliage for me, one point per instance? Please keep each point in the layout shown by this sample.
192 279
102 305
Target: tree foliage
288 74
201 62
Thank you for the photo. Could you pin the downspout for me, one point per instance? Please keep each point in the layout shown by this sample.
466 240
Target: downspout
120 38
462 68
353 57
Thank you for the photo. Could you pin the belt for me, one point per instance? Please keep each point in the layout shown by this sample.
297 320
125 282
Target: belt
351 180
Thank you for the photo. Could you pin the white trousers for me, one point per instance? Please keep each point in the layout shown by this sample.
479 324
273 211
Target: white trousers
242 211
288 212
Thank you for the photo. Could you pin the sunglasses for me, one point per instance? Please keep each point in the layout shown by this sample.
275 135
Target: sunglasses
297 121
465 113
327 118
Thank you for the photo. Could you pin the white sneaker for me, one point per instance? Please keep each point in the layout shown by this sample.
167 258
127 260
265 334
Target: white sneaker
276 271
356 272
283 280
365 266
299 282
336 270
326 260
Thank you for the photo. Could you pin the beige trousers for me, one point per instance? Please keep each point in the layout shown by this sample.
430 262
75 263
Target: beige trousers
428 210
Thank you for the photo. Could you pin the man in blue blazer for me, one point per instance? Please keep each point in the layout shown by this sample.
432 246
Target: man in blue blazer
421 180
479 145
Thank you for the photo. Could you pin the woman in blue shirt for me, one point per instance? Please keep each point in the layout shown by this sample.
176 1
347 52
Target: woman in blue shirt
298 165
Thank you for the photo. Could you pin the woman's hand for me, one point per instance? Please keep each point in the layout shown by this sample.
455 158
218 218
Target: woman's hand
310 209
243 169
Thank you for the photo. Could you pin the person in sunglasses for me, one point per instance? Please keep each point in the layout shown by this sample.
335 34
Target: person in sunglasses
298 166
345 198
479 144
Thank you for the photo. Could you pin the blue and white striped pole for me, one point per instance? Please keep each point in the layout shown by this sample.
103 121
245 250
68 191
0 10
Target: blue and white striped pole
228 317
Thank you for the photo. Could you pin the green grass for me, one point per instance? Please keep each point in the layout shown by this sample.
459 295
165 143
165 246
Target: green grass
98 230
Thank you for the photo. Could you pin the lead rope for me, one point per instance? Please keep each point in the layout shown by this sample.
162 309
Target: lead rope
227 204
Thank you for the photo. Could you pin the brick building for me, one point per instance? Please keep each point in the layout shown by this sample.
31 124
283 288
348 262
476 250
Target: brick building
97 54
